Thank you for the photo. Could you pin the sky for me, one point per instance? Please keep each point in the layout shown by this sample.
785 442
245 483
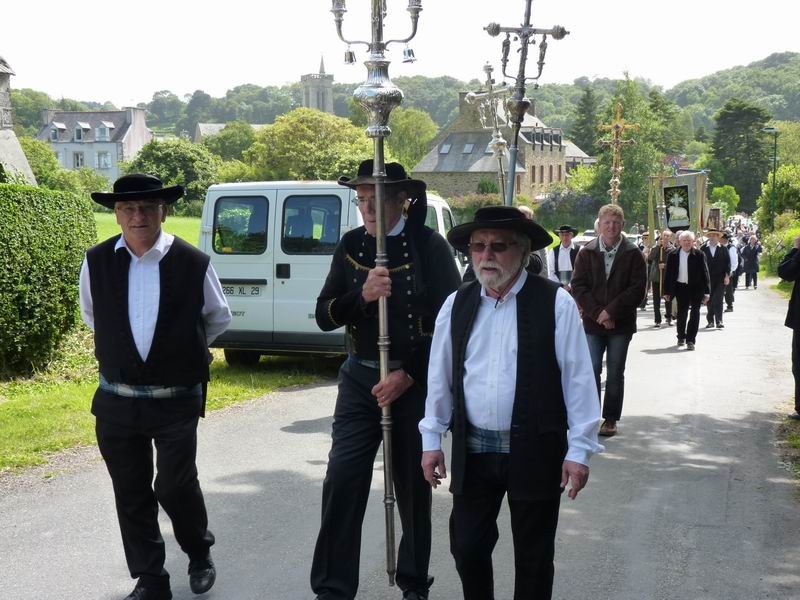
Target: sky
123 52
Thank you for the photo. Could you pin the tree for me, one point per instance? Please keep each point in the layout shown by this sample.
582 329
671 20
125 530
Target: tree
726 198
28 105
232 141
787 194
412 132
584 130
165 108
179 162
742 149
198 110
673 133
308 144
42 160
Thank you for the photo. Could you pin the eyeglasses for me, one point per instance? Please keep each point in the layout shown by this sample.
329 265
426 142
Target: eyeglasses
148 209
496 247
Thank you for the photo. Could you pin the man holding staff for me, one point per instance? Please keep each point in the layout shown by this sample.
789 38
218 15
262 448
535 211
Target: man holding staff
421 273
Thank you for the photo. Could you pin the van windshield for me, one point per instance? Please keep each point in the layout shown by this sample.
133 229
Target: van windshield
240 225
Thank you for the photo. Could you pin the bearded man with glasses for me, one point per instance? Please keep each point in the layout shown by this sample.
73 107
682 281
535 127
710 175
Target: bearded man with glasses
510 374
155 304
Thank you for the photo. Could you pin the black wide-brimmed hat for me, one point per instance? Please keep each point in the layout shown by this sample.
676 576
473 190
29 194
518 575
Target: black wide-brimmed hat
566 229
499 217
138 186
396 177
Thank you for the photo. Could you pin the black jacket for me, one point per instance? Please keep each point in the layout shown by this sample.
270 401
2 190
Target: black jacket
789 270
719 265
699 280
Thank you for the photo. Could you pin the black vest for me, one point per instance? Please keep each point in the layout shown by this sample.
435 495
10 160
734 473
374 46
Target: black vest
179 353
573 252
539 416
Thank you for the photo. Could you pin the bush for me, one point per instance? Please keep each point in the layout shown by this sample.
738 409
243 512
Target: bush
464 207
487 186
43 236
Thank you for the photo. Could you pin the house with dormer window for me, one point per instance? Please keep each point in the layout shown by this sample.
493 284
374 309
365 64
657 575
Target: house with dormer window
99 140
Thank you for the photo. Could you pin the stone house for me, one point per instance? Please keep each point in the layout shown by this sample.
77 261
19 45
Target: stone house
95 139
461 156
12 158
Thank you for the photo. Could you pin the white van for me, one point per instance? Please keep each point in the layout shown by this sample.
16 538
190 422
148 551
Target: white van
271 245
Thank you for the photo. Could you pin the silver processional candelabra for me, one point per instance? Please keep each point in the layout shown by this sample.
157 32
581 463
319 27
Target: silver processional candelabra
486 102
379 96
517 105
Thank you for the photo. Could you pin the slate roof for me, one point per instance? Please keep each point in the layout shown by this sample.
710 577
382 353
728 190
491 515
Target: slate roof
71 119
456 160
5 67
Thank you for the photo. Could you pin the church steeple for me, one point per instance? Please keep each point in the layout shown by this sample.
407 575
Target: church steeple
322 65
318 89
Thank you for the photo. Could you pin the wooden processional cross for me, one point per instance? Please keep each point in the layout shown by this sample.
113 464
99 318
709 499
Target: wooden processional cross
618 127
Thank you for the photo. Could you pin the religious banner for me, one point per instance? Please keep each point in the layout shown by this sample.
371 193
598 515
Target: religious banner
676 199
680 201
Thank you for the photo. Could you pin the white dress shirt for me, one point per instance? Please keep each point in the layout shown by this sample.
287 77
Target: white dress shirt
144 294
734 258
564 263
683 266
490 372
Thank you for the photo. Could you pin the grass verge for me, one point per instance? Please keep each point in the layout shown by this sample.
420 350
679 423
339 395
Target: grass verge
50 411
788 440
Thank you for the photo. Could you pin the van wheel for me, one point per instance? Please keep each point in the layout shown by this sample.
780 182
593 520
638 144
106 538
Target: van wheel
242 358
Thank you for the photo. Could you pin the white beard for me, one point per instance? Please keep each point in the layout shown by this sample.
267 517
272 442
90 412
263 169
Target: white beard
495 280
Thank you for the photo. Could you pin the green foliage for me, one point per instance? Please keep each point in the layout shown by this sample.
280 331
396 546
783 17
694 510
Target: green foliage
308 144
437 96
43 235
179 162
567 206
788 141
412 132
787 195
28 105
771 83
464 207
584 129
488 186
741 149
583 179
672 130
164 109
726 198
235 171
232 141
41 159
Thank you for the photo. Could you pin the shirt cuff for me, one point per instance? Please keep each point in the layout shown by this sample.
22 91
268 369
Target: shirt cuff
431 441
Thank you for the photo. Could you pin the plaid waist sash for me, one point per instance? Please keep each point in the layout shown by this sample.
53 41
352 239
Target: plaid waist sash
485 440
149 391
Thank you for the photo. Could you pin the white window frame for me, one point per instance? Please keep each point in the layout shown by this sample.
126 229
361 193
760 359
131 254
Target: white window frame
78 134
103 164
54 134
78 157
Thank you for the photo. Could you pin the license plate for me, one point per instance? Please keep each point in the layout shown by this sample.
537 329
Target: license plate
250 291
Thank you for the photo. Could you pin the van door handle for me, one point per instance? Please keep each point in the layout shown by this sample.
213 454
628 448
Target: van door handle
283 271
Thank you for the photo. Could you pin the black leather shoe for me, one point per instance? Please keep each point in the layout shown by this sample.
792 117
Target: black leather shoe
143 593
709 326
202 574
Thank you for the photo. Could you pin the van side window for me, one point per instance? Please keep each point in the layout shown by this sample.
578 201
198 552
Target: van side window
430 219
448 220
240 225
311 224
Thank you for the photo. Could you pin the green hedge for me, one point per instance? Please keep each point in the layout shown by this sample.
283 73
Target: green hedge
43 236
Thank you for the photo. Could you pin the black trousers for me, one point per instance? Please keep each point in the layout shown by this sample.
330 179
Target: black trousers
688 304
473 532
730 290
128 454
751 277
716 303
796 368
356 437
657 304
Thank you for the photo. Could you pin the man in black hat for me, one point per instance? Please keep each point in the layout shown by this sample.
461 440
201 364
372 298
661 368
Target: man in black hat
686 279
510 373
421 273
718 261
155 304
561 258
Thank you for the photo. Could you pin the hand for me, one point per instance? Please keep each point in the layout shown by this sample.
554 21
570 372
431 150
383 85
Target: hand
603 317
662 266
667 297
578 473
727 279
706 297
378 284
391 388
609 324
431 461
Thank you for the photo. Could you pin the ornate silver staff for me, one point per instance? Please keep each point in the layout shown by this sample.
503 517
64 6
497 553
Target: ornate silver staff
378 95
517 105
486 103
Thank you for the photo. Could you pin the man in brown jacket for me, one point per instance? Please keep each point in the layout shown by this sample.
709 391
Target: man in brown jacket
608 283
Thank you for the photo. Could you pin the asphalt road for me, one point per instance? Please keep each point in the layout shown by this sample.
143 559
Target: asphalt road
688 502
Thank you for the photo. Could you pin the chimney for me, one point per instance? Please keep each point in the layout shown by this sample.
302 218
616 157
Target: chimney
48 114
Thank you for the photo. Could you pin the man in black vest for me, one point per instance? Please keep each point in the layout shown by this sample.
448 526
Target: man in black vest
155 304
509 373
561 258
789 270
718 260
656 265
420 275
686 279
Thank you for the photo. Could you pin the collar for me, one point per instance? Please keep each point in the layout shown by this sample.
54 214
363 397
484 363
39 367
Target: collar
523 277
563 247
398 228
601 245
159 249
